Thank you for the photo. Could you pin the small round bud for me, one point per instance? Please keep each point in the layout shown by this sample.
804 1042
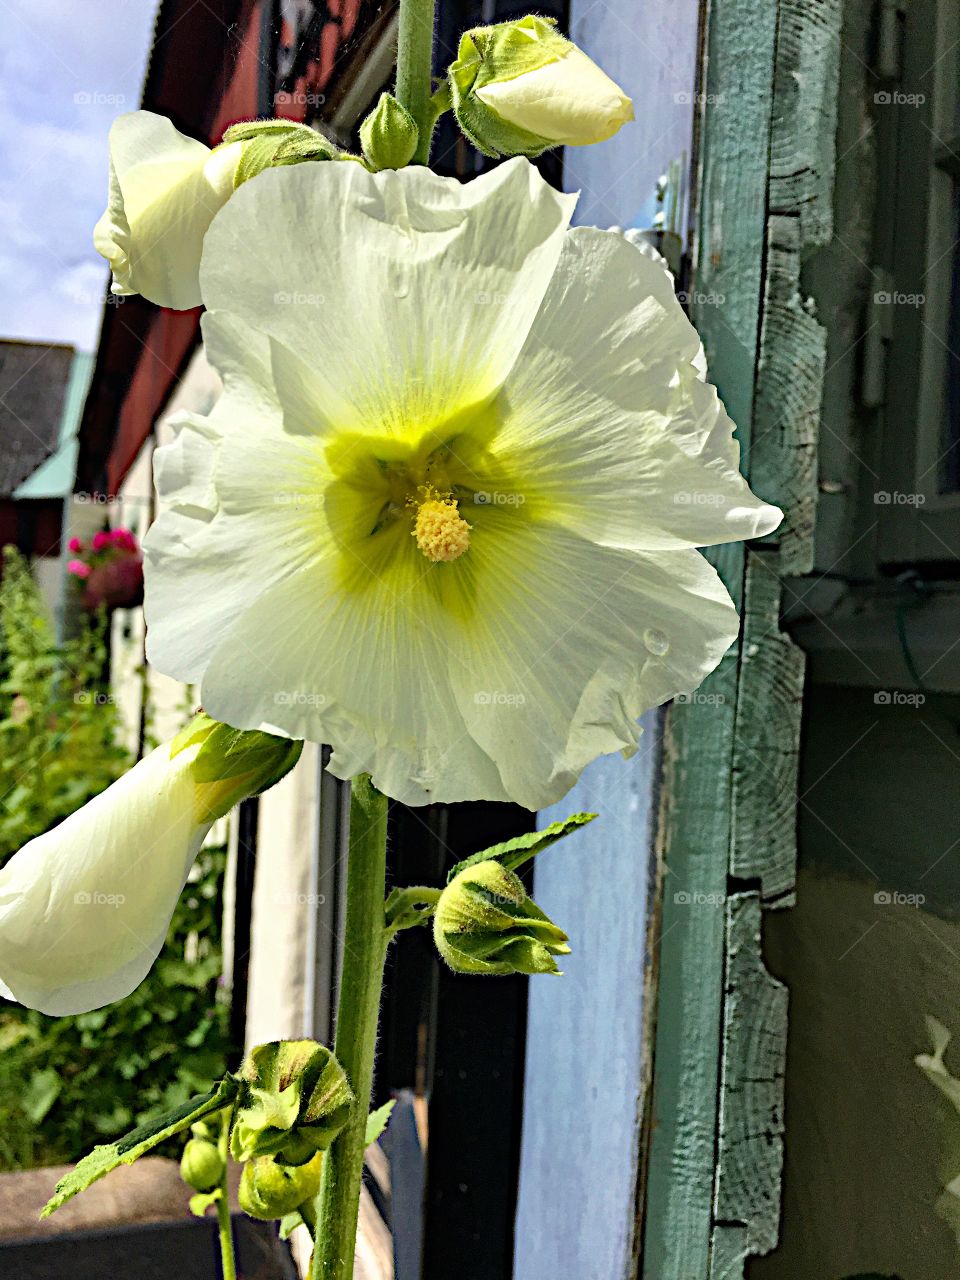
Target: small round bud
389 135
201 1165
269 1190
486 923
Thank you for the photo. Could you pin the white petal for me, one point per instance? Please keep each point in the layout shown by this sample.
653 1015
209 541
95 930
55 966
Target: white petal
243 507
84 909
570 643
164 191
408 295
607 406
366 671
568 101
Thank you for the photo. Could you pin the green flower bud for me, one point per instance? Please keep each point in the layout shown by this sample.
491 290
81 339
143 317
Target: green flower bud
389 135
270 1190
294 1099
486 923
270 143
520 87
201 1165
232 764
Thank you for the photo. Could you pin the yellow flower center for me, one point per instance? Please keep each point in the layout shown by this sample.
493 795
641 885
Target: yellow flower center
441 532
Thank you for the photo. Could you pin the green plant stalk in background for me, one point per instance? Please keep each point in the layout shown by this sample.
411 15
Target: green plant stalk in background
358 1011
224 1227
415 69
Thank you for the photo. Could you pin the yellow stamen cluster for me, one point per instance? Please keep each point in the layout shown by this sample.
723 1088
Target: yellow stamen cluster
441 532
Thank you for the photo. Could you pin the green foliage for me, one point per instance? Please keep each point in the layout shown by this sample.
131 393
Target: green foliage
68 1082
513 854
57 723
145 1138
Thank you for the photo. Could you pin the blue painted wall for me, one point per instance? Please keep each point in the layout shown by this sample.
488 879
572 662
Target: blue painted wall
575 1218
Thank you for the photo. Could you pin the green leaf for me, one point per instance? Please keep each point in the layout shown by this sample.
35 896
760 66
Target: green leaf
201 1202
289 1223
41 1093
138 1142
514 853
377 1122
407 908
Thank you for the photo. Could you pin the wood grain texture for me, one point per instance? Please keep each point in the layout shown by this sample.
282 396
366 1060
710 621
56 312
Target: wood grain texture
750 1147
766 750
802 145
696 824
789 398
800 205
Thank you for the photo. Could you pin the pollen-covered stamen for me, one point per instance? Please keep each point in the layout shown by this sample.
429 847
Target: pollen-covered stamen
441 532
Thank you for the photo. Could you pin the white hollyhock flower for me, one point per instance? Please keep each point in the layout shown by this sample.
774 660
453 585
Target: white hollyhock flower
164 191
84 909
444 514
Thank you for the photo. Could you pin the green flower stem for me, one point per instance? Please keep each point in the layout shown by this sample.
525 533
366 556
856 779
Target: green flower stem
415 69
358 1010
224 1225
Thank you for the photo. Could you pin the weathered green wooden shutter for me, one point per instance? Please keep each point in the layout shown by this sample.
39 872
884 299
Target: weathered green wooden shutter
728 831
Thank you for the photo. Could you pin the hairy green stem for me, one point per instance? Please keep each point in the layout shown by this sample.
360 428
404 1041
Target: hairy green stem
358 1010
224 1225
415 69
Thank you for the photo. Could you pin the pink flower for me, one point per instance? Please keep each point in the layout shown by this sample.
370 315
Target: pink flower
78 568
75 544
124 539
100 540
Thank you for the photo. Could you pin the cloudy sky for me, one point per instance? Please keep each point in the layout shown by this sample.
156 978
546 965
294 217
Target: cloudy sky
67 67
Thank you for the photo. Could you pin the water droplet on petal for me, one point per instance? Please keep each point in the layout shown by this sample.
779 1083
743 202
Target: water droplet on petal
656 642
